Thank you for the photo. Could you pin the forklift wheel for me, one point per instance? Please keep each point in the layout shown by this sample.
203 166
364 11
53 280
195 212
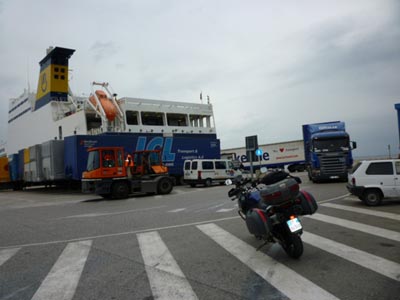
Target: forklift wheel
120 190
164 186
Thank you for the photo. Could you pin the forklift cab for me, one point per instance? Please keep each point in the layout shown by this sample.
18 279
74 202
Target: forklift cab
148 162
105 162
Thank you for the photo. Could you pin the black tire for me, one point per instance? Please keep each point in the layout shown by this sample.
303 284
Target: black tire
120 190
293 246
208 182
164 186
372 197
106 196
180 180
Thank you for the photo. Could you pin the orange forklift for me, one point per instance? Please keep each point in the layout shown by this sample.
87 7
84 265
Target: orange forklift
113 175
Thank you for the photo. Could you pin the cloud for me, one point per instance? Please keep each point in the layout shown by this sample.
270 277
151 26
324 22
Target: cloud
103 50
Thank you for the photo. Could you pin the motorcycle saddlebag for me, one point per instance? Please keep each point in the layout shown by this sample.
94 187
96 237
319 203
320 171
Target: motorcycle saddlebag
307 203
282 191
258 222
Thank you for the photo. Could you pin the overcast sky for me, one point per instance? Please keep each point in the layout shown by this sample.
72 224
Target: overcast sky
268 66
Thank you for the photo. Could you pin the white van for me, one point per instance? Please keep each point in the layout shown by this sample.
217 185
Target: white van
207 171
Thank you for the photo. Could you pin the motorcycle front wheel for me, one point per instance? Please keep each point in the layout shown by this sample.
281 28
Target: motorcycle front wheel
293 246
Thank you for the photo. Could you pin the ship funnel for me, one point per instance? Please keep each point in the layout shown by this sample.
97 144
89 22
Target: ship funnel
53 78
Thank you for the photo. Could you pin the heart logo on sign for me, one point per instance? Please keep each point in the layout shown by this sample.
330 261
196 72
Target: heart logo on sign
281 149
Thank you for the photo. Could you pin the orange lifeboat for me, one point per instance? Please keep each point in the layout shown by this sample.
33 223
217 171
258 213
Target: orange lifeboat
108 106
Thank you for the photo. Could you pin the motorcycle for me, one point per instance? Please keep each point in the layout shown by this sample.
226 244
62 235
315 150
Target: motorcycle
271 207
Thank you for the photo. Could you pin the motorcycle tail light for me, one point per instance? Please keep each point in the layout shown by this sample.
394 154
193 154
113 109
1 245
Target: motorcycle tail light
294 188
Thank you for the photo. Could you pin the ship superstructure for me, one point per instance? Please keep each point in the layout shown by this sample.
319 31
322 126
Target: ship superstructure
53 112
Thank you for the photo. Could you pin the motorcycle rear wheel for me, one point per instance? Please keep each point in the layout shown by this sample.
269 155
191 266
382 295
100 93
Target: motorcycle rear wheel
293 246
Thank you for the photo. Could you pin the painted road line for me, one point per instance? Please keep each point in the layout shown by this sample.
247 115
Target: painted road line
223 210
93 215
167 281
332 199
118 233
375 263
281 277
364 211
6 254
384 233
177 210
63 278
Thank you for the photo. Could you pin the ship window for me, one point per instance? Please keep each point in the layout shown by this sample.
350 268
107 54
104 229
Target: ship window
200 121
176 120
152 118
55 76
62 70
62 77
55 69
132 117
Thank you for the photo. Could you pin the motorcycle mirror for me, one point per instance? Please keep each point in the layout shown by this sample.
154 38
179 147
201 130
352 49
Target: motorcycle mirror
228 182
263 170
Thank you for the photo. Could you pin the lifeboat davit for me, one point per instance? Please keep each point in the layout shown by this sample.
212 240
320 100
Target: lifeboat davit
107 104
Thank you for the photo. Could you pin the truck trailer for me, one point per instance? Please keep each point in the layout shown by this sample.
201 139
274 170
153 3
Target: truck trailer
60 161
277 155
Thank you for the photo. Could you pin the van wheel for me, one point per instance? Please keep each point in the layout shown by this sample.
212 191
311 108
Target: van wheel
208 182
372 197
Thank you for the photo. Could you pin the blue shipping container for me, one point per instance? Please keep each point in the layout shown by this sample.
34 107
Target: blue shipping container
176 149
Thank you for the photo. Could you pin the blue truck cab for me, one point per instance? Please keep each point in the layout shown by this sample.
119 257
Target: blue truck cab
327 150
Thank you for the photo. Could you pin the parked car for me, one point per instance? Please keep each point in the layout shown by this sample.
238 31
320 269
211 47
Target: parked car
372 181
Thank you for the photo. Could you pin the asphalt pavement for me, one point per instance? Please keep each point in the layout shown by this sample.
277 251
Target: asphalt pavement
191 244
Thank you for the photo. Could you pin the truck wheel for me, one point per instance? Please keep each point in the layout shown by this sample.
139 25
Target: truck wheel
208 182
164 186
372 197
120 190
106 196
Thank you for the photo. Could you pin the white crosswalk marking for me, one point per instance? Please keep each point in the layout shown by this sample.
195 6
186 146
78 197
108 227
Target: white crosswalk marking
6 254
364 211
381 232
284 279
63 278
167 281
375 263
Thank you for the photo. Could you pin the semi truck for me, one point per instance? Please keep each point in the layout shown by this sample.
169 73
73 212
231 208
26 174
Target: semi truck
325 153
328 151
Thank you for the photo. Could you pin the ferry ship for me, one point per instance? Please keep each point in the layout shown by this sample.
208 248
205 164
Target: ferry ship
53 112
50 131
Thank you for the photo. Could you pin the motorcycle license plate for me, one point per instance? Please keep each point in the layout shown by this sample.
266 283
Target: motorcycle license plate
294 224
